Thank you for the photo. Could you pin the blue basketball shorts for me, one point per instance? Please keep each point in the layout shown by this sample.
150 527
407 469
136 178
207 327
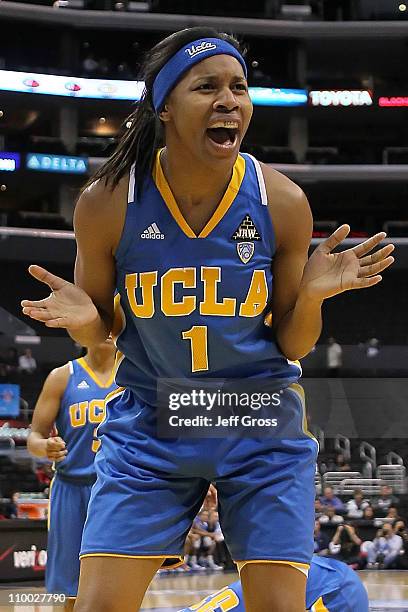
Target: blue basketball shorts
66 518
149 490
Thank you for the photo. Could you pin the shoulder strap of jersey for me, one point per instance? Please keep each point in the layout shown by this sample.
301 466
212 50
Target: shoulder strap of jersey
131 190
76 369
260 178
128 231
72 369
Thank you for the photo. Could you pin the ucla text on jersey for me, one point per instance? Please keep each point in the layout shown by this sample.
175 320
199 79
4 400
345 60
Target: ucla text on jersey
82 409
332 586
194 305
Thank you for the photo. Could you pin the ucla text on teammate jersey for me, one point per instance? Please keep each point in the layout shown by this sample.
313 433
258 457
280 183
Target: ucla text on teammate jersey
82 410
81 413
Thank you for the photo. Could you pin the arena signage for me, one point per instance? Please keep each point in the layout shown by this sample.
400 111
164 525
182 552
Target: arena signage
74 87
23 549
393 101
9 162
78 87
9 400
270 96
57 163
34 558
343 97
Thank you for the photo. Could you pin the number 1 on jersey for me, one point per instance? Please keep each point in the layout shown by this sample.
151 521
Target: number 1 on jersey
199 347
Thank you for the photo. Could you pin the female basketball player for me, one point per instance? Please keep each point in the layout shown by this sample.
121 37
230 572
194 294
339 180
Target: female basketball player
332 586
72 399
190 235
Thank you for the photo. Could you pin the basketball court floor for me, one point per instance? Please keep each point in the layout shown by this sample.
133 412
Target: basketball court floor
388 590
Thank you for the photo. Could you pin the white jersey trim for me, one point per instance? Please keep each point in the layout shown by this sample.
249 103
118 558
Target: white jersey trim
261 180
131 190
71 367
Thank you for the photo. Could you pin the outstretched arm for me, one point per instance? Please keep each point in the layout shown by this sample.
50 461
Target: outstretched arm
301 284
86 308
297 321
67 306
325 275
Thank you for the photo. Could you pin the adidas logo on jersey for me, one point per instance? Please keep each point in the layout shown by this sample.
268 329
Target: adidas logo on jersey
152 233
83 385
246 230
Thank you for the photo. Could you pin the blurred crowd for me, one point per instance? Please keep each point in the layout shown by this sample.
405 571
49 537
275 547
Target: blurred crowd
366 533
94 67
11 363
363 532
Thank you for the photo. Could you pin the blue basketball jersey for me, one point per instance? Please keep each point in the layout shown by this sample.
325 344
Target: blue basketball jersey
194 306
82 409
335 587
331 587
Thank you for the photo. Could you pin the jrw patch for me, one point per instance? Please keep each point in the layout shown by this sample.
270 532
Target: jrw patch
246 230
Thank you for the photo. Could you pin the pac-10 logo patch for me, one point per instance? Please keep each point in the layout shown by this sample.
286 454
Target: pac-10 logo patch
245 251
246 231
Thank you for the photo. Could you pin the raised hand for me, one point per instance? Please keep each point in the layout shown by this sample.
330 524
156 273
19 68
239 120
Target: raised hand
67 305
326 274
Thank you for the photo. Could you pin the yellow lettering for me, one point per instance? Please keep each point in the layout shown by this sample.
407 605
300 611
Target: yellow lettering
148 280
257 296
96 411
224 601
77 414
199 347
254 304
95 442
319 606
211 277
187 278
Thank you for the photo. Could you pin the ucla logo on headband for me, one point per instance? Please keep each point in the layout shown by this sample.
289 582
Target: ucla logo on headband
184 59
204 46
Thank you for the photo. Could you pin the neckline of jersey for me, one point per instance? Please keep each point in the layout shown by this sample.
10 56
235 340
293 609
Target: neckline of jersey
81 361
228 198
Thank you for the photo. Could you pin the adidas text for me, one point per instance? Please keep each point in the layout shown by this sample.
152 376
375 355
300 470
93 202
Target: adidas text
152 233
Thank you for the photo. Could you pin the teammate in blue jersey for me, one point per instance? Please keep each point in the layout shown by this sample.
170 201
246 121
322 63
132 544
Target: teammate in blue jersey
73 402
200 242
332 586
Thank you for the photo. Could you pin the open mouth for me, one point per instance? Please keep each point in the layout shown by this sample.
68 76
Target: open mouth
223 136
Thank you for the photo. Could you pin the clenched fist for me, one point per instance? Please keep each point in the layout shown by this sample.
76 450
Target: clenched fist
55 449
